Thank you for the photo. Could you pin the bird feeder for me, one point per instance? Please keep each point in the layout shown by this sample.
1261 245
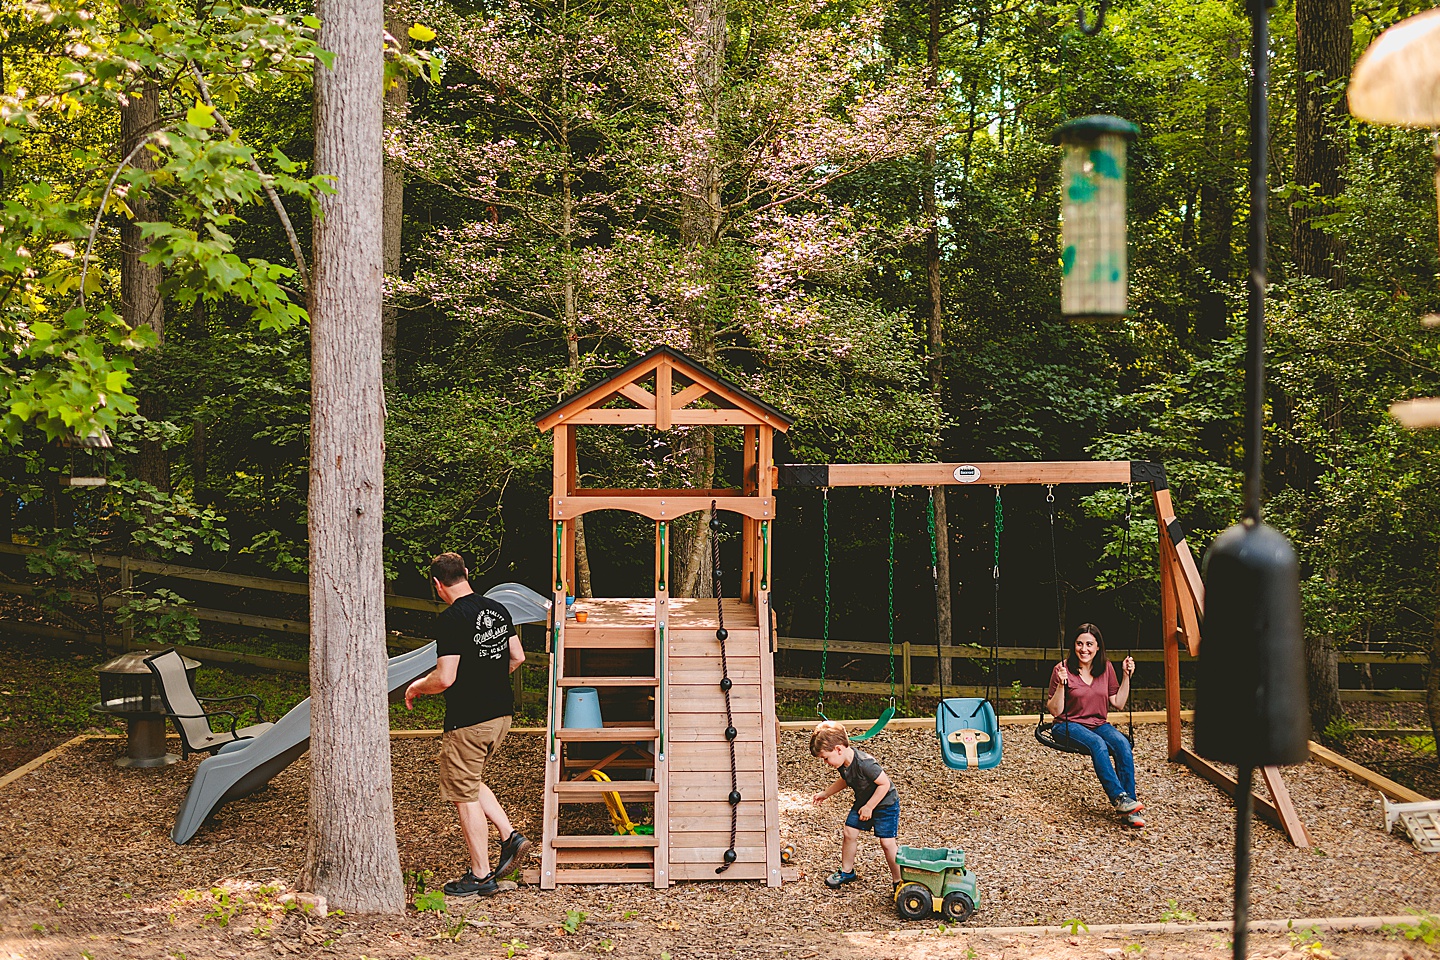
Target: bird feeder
91 442
1092 214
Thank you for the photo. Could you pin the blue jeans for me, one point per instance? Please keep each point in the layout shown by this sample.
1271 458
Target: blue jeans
1109 751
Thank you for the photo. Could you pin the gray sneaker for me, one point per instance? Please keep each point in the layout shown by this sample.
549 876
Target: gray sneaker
1128 804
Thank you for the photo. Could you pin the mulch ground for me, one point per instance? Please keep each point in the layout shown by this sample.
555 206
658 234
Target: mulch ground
86 864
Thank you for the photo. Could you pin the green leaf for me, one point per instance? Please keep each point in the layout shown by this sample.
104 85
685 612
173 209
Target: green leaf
430 900
200 116
421 33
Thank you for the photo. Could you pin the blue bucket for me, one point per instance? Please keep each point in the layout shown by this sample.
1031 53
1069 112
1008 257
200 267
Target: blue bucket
582 708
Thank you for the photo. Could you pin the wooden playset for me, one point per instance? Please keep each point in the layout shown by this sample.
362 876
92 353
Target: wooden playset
685 686
702 731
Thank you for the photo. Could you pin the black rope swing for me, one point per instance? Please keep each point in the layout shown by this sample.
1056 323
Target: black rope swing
1045 732
731 733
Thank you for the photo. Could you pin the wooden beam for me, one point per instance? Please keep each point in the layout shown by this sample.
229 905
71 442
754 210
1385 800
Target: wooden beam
1290 820
638 394
1190 574
766 455
770 729
560 462
985 474
686 417
716 492
1365 775
664 395
1226 783
661 508
1169 636
688 396
661 765
41 760
749 529
564 414
757 414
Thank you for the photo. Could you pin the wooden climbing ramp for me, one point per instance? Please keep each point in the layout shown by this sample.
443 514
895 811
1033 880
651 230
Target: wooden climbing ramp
662 710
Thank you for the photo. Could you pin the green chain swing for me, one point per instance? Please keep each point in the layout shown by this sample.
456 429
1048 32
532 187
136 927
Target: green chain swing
889 712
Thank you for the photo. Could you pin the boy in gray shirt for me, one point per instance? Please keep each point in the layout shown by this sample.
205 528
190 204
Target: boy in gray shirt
876 806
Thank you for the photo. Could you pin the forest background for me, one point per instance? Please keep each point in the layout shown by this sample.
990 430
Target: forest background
850 208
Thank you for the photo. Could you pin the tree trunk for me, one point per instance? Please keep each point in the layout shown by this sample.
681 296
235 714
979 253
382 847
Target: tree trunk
141 303
1432 674
1322 674
1322 61
701 217
694 565
198 467
1215 233
351 855
396 99
935 336
583 587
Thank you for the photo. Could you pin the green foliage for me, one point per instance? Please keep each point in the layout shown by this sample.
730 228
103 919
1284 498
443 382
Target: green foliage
1339 730
549 237
573 920
433 900
1425 928
224 906
1174 914
69 372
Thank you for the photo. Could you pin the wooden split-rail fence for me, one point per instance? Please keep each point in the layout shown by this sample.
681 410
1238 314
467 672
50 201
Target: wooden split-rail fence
906 653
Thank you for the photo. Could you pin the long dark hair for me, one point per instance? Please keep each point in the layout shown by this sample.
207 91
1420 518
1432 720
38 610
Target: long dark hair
1097 666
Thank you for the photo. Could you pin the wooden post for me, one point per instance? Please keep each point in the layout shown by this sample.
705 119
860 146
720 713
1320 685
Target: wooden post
127 633
905 672
664 396
661 875
1169 632
750 531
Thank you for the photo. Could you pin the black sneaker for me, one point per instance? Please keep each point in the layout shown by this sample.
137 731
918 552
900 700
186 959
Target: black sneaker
472 886
512 851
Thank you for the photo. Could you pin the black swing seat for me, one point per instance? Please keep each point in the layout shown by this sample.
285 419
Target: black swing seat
1045 734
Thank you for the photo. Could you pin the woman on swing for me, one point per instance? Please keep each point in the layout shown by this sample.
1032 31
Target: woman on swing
1083 689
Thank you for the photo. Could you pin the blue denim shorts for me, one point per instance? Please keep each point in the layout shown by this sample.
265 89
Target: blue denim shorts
885 821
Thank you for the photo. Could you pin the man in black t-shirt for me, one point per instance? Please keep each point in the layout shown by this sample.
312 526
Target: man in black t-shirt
476 649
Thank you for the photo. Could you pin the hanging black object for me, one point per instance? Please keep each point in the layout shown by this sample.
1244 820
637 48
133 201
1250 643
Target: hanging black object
1251 704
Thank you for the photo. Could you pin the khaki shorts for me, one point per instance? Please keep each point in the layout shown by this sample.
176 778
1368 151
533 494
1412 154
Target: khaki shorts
463 753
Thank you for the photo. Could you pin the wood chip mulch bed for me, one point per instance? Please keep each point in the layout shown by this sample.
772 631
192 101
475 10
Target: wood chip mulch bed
85 855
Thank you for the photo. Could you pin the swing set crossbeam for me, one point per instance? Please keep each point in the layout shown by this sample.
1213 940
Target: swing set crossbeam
943 474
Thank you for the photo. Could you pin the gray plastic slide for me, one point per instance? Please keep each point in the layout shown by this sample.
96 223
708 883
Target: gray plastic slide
245 766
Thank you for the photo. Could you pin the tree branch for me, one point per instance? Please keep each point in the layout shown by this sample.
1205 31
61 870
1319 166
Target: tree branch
104 200
265 183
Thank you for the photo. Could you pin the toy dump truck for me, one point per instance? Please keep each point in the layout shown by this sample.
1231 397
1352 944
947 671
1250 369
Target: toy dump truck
934 879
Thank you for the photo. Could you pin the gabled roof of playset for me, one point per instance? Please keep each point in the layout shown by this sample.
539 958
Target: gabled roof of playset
703 382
